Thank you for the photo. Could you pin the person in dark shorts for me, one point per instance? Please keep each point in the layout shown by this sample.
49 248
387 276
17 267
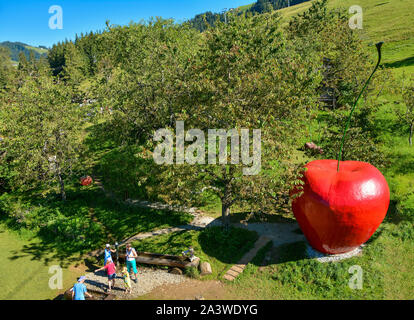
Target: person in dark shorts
111 271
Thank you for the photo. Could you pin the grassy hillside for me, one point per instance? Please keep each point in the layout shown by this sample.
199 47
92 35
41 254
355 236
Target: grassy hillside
389 21
17 47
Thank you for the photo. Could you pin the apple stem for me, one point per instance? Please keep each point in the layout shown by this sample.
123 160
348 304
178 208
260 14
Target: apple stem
378 45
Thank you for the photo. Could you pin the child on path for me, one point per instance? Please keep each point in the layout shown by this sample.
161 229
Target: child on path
79 290
111 271
127 280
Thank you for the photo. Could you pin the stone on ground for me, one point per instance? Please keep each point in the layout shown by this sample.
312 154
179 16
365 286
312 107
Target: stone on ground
205 269
176 271
235 270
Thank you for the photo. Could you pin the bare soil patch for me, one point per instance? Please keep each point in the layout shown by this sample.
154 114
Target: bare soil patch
192 290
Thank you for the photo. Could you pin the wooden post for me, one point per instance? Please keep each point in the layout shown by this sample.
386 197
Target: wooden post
117 254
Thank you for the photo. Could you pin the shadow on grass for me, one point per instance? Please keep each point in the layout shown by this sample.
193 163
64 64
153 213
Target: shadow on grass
401 63
226 246
402 163
119 167
212 244
257 217
66 230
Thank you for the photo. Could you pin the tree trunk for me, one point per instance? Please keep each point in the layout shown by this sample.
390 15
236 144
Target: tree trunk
60 180
62 187
227 197
411 134
225 214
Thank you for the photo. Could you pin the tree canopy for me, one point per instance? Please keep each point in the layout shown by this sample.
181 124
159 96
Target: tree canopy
246 73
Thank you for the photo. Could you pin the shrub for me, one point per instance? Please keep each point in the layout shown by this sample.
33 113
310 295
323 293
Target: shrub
192 272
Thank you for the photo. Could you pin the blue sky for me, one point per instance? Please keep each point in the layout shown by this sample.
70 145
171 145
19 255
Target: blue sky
28 21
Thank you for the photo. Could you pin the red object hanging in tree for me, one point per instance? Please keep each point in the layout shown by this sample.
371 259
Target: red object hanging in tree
339 211
86 181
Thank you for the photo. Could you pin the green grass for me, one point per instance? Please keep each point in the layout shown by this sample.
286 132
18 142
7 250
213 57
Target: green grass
37 49
400 172
245 7
212 245
386 263
24 276
67 228
384 20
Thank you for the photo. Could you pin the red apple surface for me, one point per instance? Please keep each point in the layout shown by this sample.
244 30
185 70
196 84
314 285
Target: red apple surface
339 211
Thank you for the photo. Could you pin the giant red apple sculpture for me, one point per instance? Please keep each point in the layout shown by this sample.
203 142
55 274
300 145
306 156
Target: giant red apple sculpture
340 210
343 203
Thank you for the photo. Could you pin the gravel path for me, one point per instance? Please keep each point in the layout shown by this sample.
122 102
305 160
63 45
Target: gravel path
323 258
280 233
148 279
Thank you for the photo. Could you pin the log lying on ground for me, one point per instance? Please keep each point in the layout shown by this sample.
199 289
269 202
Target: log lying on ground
163 260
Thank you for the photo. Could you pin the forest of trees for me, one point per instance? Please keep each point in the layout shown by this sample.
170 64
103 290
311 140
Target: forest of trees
250 72
200 22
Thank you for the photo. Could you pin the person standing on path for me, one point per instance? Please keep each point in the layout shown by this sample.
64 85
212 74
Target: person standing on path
108 253
111 271
79 290
131 263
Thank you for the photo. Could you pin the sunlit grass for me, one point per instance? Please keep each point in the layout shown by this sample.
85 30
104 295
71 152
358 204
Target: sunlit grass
24 276
386 263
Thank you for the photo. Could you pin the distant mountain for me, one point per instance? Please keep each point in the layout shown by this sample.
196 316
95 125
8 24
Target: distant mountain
17 47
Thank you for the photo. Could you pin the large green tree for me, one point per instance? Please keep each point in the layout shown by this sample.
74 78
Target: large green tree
406 116
244 77
141 76
41 127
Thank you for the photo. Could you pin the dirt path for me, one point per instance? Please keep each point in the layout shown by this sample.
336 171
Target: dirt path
165 286
192 290
280 233
148 279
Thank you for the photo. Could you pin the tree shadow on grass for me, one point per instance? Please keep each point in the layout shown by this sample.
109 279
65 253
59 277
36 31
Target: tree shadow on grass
290 252
402 163
212 242
258 217
72 231
112 161
401 63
